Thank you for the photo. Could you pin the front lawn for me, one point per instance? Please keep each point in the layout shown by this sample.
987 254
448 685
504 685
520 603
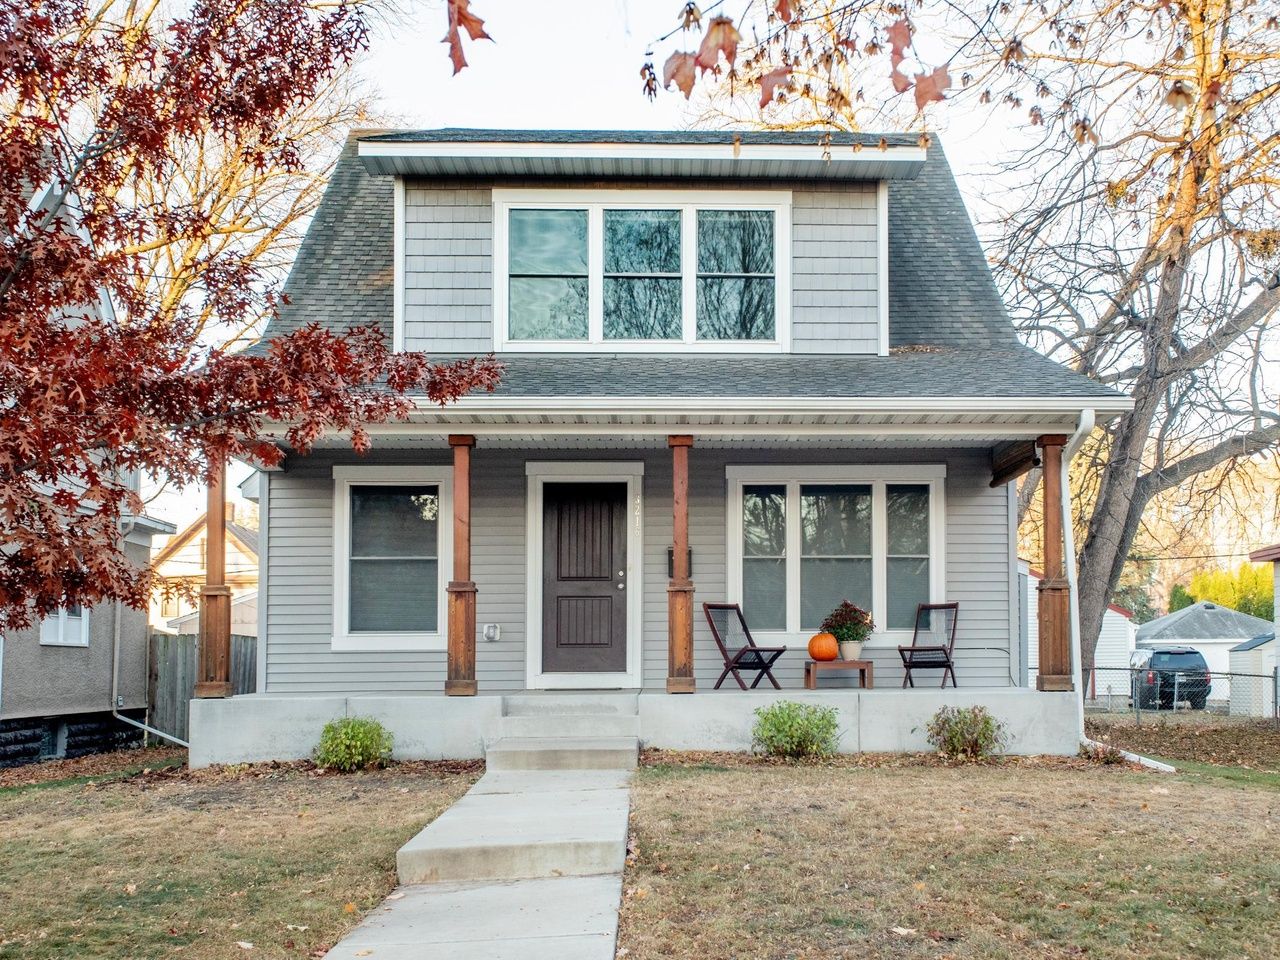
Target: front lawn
264 861
912 859
1205 738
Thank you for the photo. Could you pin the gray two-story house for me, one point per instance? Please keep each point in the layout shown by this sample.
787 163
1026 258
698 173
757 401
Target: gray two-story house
753 368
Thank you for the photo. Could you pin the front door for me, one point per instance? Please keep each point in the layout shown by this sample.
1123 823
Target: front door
584 583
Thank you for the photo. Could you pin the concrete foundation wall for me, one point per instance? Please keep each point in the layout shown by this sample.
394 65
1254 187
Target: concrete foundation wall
264 727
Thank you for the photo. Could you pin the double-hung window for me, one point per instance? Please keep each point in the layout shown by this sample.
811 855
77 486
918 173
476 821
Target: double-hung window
641 270
803 539
392 550
66 627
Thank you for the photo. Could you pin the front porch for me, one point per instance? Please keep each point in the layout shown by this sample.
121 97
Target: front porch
568 555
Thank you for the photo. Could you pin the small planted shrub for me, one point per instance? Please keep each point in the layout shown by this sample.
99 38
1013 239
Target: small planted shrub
966 733
353 743
796 730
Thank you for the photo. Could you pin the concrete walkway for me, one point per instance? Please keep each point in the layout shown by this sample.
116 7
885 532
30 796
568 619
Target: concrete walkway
528 864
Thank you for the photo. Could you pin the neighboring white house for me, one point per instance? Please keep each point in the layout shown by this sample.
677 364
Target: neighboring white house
181 561
1258 658
1210 628
244 617
1115 641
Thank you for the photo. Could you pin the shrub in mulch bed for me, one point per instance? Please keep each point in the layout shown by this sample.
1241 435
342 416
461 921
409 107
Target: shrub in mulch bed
715 759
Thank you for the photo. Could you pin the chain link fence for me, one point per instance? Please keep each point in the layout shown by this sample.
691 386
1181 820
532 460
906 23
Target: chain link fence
1187 696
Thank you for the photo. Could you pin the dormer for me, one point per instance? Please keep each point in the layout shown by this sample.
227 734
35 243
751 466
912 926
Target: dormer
639 241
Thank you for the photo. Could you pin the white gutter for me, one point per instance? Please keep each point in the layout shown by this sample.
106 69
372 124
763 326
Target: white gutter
764 406
1083 430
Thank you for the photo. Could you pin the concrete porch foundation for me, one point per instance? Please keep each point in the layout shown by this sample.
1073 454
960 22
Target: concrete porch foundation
261 727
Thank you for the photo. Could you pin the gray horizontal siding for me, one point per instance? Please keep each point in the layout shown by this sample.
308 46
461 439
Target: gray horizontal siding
448 269
979 546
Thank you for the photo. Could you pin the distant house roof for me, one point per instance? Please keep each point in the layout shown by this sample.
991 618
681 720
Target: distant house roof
1254 643
1203 621
1263 554
947 321
247 537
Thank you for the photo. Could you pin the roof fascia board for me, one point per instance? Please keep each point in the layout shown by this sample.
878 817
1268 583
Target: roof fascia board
638 151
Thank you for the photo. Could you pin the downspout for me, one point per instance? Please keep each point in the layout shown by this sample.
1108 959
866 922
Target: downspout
115 671
1083 429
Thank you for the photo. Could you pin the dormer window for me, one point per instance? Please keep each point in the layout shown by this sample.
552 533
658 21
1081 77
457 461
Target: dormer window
641 270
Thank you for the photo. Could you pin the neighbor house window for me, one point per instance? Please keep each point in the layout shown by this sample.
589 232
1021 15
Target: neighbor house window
68 627
641 269
802 539
391 536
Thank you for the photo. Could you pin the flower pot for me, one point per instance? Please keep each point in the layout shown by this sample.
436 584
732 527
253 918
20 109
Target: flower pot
850 649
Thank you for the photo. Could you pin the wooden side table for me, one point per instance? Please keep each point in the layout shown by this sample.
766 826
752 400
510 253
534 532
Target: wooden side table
866 671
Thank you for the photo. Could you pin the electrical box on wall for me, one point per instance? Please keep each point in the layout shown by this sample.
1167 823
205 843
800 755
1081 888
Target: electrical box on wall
492 632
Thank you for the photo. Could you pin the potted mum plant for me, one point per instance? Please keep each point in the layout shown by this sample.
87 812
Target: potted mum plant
851 625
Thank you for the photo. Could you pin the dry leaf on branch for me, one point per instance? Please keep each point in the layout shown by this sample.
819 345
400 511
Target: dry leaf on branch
461 18
771 82
899 34
679 70
722 37
786 10
901 83
931 87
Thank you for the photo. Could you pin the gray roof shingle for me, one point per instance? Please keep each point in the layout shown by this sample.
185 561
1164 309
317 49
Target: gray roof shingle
1203 621
941 296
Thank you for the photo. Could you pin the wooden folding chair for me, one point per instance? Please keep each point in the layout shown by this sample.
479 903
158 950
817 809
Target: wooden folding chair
740 652
935 622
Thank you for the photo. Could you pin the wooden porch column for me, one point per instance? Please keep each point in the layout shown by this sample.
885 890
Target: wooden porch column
1054 591
461 677
214 676
680 589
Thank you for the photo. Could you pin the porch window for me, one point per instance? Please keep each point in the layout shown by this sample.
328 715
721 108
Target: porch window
641 270
391 553
67 627
804 539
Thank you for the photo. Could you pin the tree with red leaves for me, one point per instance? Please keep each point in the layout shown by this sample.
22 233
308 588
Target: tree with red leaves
100 378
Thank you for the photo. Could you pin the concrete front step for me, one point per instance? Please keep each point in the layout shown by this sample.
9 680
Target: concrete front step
570 725
573 829
569 704
561 918
562 753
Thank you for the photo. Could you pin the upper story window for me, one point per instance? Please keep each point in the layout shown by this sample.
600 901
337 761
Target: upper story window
641 270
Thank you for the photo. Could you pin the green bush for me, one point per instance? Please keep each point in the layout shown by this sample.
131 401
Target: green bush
790 729
966 733
353 743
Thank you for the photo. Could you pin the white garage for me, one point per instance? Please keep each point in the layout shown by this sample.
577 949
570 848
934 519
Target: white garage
1210 628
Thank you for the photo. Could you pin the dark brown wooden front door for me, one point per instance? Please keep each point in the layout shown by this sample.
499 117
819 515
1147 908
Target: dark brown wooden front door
584 582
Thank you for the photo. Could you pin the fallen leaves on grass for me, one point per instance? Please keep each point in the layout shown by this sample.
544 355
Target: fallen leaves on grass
1205 738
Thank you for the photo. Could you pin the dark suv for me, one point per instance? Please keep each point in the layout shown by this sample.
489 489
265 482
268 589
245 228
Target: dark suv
1170 672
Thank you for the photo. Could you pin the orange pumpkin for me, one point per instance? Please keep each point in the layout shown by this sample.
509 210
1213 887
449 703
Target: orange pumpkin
823 646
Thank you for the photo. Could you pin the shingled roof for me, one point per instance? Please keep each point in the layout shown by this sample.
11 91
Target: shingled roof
948 326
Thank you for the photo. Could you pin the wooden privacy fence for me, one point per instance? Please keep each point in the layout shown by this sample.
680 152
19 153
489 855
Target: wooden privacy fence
173 675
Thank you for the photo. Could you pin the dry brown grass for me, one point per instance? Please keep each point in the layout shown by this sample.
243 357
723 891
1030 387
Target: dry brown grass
174 863
1194 735
911 859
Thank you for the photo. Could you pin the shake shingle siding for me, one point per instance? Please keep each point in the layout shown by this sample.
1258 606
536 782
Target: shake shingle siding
834 254
448 269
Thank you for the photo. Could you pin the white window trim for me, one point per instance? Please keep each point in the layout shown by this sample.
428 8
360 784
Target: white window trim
878 477
688 201
882 266
63 639
399 266
344 478
539 474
